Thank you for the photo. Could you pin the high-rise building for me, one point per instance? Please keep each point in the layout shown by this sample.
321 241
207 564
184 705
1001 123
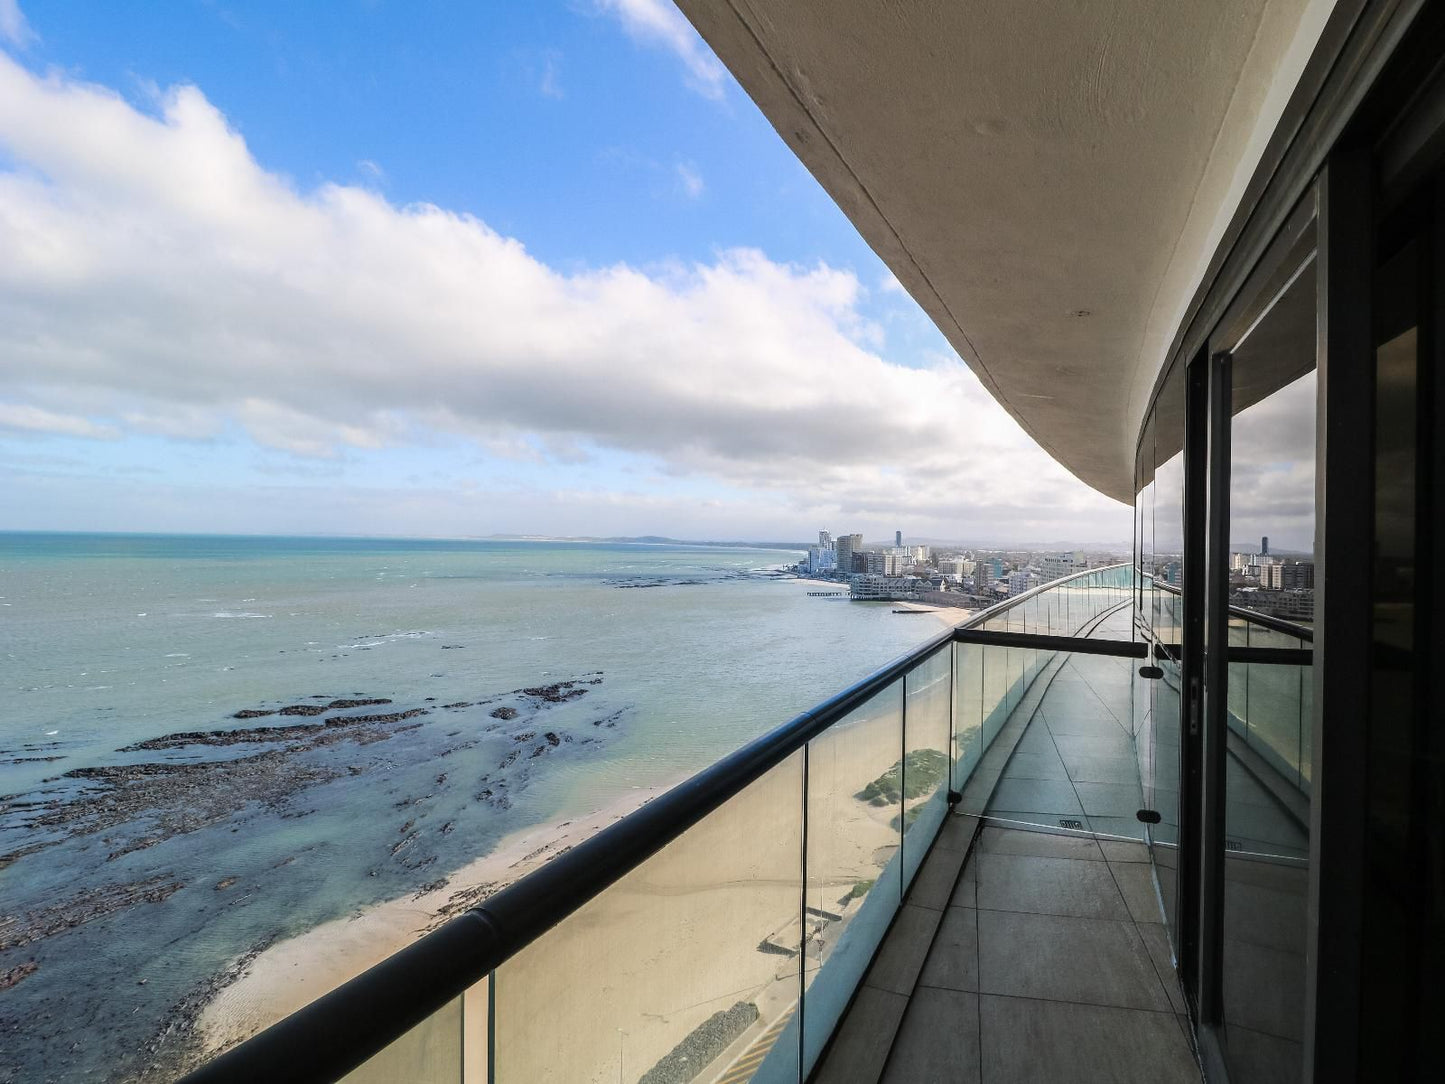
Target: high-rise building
1291 576
825 538
1264 546
845 546
898 539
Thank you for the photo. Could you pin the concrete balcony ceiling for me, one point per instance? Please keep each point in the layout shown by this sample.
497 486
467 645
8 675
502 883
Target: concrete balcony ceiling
1047 179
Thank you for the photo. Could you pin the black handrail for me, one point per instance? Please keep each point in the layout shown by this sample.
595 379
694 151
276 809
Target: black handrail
338 1031
1078 645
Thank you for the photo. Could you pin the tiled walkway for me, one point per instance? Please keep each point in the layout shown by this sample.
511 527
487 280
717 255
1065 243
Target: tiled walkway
1046 961
1076 761
1041 956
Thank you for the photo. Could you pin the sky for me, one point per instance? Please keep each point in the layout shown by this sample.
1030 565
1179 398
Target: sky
424 269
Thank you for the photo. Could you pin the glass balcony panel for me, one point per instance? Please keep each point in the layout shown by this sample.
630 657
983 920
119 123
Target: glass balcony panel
854 879
927 688
687 965
1275 713
968 716
1013 662
995 692
1306 728
1164 751
476 1031
430 1053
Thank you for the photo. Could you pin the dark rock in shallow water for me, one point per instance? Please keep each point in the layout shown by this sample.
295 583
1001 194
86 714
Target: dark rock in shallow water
303 709
14 976
505 713
85 906
252 713
559 692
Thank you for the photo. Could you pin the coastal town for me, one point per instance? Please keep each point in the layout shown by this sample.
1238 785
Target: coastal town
1278 584
938 575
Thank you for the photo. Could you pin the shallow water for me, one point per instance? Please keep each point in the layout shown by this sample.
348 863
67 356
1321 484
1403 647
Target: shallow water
682 654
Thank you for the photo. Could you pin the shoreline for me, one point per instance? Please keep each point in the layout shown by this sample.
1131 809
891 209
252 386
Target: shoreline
290 974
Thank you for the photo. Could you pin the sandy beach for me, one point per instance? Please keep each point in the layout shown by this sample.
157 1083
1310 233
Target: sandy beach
293 973
688 935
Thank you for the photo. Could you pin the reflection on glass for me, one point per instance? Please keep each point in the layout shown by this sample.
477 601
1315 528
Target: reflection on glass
925 764
692 959
854 877
968 716
430 1053
1266 801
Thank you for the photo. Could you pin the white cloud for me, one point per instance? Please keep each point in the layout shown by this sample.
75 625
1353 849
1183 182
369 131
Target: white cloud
371 171
39 420
13 27
689 180
158 279
551 83
658 22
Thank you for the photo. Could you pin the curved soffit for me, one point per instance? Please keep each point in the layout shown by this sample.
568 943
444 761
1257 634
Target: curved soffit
1020 164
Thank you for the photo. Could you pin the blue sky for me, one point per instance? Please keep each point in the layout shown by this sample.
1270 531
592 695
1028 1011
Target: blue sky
438 269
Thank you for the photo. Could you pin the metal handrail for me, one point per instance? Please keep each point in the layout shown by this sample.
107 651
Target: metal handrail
339 1030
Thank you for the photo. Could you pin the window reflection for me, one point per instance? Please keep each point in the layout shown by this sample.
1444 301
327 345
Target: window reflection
1266 783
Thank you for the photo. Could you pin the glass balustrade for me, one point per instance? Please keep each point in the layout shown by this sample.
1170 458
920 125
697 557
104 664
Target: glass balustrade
731 953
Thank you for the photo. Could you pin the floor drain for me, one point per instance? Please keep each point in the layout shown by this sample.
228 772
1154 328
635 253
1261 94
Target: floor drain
1071 824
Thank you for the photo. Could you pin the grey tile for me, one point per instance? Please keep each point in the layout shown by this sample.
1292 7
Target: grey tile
1025 765
1128 827
864 1035
1087 769
1119 851
898 962
1136 881
1036 739
957 832
1087 716
1036 796
953 960
1029 1041
1054 886
965 893
1076 749
933 884
1156 940
938 1042
1043 844
1087 960
1110 799
977 792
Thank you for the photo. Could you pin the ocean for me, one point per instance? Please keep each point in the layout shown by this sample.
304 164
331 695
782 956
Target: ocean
212 744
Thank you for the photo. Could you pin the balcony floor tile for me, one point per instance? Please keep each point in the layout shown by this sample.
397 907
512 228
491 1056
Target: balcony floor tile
952 962
938 1040
1026 1041
1052 886
1086 960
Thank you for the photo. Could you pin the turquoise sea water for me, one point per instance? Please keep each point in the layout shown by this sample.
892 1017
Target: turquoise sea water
181 856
